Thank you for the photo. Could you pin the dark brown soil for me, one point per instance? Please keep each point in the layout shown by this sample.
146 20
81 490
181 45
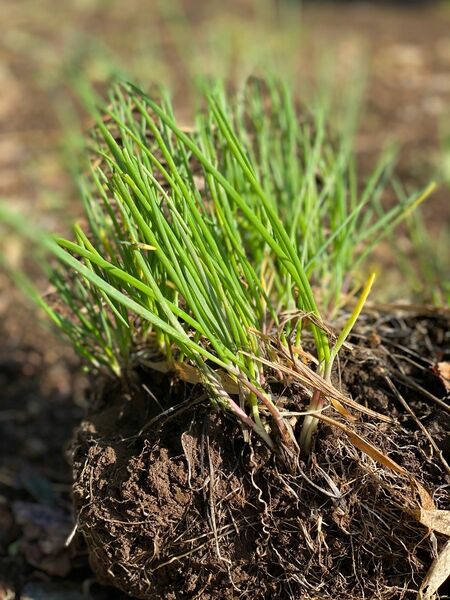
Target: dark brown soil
187 509
42 397
41 391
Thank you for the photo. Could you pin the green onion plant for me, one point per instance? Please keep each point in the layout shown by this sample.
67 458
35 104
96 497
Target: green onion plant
219 248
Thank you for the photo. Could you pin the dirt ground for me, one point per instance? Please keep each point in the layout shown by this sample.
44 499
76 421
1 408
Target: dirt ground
42 391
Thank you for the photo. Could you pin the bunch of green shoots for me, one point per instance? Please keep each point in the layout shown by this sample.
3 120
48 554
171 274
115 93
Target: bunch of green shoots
203 245
426 267
426 263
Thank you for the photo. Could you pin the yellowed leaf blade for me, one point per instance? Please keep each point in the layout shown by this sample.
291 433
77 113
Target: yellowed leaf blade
341 409
374 453
437 575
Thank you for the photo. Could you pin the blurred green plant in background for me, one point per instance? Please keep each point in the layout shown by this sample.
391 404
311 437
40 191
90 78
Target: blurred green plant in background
54 56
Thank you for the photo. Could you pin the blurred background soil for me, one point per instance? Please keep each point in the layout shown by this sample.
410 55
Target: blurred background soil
403 50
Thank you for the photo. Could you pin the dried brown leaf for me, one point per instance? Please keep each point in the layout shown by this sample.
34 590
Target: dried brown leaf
190 374
442 370
437 520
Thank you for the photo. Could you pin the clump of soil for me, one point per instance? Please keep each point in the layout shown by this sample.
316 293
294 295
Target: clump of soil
182 504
